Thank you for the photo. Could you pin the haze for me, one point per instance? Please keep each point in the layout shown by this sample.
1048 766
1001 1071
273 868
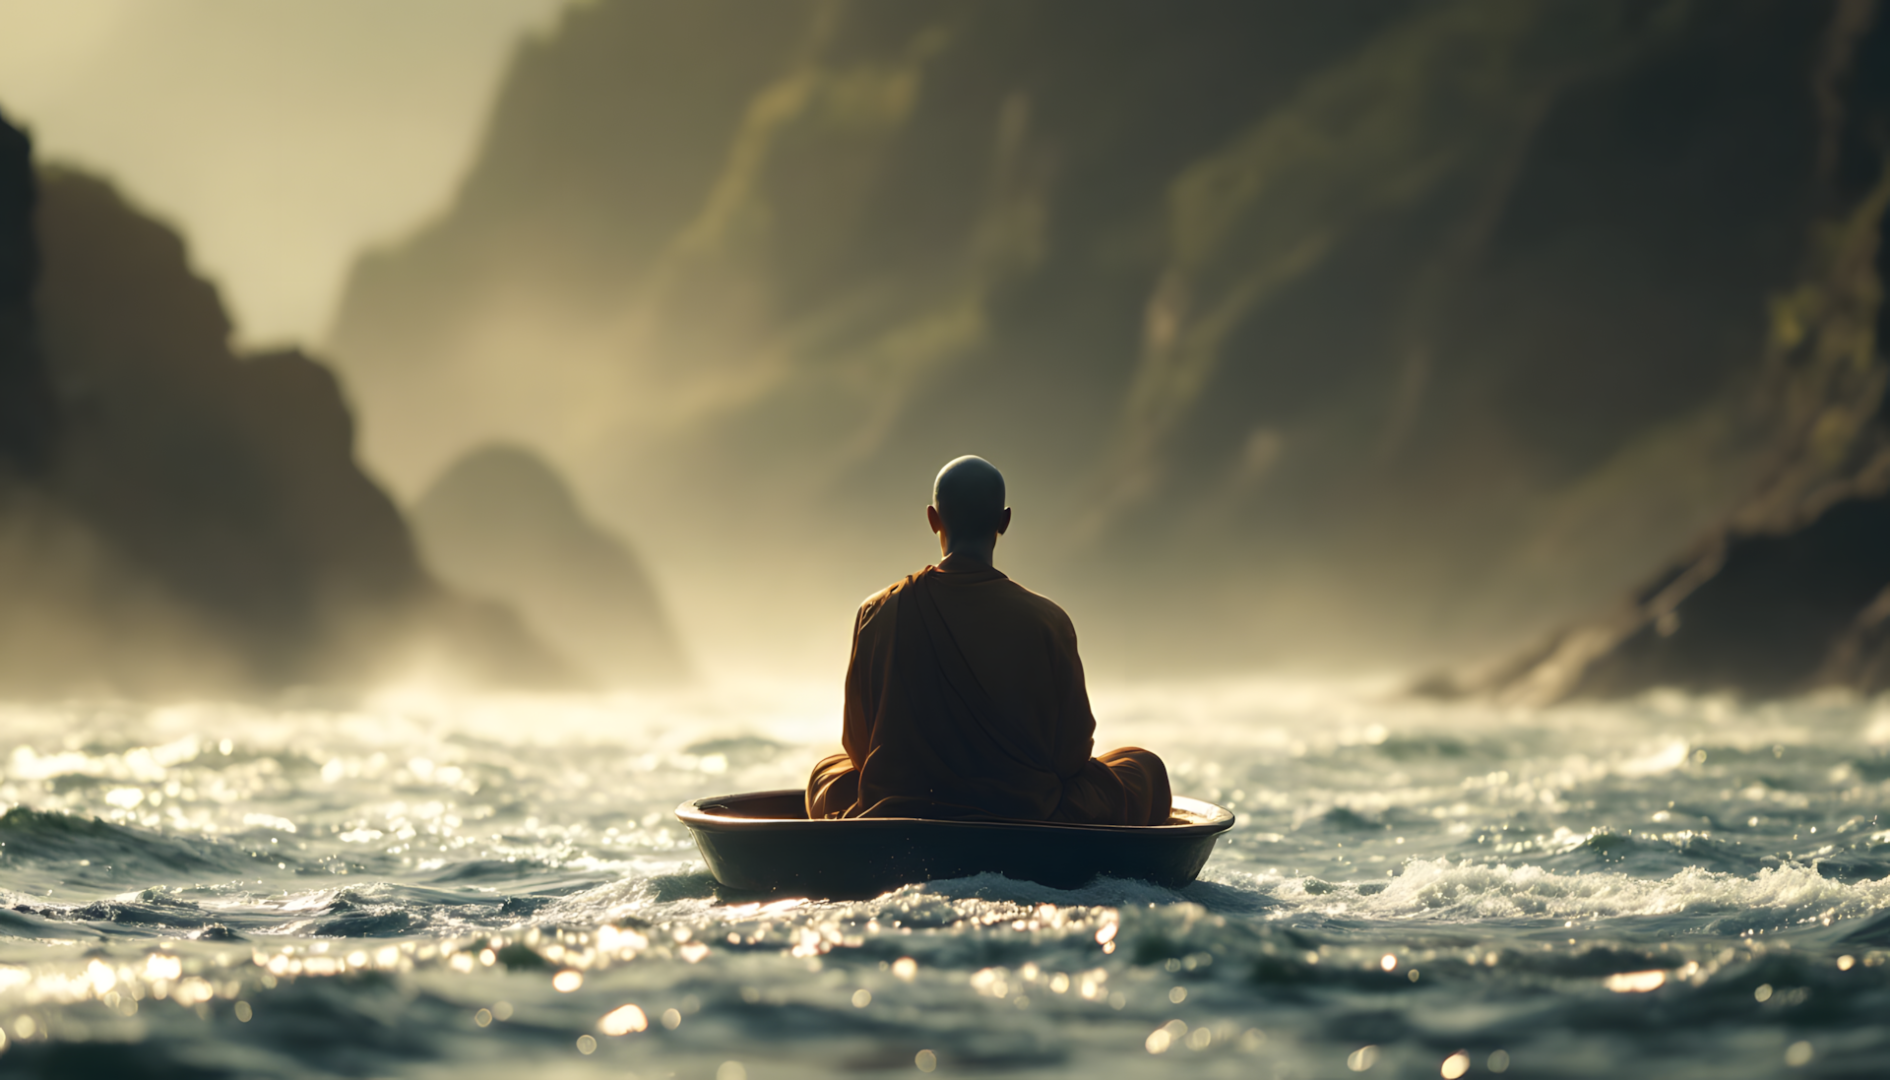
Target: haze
281 138
1362 336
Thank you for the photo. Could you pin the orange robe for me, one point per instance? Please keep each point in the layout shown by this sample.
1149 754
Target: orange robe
965 698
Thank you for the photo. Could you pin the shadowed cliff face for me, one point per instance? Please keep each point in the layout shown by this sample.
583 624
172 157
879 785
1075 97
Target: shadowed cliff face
1383 331
501 524
193 521
229 481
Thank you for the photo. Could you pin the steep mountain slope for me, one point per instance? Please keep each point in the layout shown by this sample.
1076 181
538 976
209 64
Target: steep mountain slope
1382 330
1790 591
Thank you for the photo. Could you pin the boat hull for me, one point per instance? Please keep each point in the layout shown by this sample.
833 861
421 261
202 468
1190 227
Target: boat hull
762 842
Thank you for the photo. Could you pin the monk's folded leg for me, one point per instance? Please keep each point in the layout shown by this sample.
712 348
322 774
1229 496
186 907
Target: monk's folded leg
834 787
1128 786
1144 782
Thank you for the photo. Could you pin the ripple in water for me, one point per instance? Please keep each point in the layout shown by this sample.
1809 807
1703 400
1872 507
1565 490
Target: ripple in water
496 887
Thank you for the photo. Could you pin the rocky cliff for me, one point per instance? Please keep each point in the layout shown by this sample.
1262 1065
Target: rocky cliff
1380 330
26 407
177 518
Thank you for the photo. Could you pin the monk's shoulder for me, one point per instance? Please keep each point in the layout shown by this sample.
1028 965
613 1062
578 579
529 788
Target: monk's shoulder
1043 610
879 601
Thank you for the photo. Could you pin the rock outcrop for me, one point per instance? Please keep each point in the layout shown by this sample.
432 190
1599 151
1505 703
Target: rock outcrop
501 523
179 519
1379 330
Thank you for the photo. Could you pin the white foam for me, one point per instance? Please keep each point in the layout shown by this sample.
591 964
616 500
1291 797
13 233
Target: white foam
1465 891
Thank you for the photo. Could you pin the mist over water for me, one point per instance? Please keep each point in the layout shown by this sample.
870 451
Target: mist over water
482 886
1356 335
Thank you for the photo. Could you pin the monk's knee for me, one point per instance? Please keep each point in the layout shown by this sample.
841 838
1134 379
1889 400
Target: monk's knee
833 788
1131 753
1145 778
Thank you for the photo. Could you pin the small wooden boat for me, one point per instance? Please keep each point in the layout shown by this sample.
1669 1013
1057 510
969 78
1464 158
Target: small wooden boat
763 842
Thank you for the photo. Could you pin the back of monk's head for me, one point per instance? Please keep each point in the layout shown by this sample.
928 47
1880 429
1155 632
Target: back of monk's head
969 496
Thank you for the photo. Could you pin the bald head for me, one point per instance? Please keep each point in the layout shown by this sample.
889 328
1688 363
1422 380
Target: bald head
969 497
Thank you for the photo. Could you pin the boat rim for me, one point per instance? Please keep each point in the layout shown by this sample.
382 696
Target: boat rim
1209 818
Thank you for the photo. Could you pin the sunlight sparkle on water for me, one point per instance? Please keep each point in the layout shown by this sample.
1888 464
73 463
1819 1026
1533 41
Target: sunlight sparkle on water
1635 982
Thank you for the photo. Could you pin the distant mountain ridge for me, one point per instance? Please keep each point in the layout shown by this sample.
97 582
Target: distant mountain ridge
501 523
1380 330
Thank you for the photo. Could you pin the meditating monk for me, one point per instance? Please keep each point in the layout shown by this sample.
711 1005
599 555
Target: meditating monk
965 696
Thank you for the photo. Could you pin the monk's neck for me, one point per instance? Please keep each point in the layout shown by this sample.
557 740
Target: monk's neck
965 562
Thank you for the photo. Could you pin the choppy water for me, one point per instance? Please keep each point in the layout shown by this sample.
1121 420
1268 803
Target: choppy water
484 888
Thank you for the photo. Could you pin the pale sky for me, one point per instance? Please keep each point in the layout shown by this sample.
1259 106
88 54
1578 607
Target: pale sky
280 136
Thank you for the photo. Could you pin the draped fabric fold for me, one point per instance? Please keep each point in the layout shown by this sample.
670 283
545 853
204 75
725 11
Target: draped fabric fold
965 699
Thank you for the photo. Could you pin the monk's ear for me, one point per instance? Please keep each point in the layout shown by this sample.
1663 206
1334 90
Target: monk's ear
1004 521
932 519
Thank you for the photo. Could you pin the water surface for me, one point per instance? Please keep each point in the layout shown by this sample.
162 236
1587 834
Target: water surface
496 887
